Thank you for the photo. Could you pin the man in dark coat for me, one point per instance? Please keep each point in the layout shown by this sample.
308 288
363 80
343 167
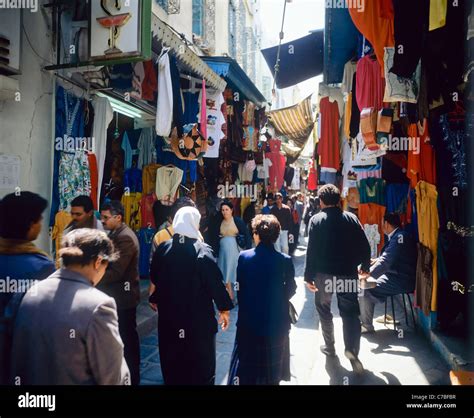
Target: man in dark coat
121 281
188 283
394 270
336 246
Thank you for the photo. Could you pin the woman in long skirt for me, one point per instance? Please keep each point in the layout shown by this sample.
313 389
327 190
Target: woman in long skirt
265 283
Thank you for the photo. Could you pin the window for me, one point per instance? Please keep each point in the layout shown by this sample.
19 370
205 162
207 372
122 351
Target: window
198 17
171 7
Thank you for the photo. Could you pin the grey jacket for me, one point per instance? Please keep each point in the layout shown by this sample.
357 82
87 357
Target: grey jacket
66 333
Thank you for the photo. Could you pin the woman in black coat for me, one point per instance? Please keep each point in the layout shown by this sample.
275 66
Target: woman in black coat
265 282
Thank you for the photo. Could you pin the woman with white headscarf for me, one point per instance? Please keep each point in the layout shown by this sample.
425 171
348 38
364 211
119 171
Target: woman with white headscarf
188 283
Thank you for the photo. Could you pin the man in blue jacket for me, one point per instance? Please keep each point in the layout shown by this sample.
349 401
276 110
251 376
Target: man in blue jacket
394 270
21 262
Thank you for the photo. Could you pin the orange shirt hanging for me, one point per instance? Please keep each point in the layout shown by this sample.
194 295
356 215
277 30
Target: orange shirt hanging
372 214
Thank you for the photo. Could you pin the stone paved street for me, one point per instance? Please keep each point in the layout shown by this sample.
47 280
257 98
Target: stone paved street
390 357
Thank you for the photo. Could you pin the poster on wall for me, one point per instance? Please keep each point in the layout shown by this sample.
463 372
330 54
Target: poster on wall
9 172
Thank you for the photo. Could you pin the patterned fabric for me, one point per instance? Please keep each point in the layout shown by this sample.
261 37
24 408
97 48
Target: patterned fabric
74 178
373 236
131 205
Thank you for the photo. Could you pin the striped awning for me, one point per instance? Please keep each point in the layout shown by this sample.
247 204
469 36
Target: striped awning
295 122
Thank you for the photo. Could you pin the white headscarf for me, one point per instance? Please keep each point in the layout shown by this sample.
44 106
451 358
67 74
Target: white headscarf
186 223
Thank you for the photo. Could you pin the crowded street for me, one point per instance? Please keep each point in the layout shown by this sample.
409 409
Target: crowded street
236 200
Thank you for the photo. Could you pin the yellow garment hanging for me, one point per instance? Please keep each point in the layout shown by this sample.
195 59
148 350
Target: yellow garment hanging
428 225
133 215
347 116
61 221
438 11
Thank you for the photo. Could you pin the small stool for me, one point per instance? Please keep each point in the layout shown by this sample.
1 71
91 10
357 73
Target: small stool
404 308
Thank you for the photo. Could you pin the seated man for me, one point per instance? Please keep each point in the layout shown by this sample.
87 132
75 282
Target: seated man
394 271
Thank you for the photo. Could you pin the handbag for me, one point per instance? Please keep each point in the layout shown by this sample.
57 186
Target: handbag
293 313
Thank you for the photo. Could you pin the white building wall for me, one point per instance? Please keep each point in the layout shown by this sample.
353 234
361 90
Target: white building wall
182 22
222 27
26 126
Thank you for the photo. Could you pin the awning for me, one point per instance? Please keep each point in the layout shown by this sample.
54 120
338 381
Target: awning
236 78
295 122
187 59
300 59
340 43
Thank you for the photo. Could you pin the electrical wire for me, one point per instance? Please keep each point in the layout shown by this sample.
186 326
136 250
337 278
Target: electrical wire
277 64
31 46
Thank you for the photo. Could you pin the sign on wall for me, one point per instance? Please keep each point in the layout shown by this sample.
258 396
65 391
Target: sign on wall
9 171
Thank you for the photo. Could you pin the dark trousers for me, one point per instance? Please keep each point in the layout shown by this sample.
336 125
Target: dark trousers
348 309
187 361
127 319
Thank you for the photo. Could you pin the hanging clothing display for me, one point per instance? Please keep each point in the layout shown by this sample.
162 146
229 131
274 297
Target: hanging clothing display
370 85
372 190
372 214
168 180
146 205
428 224
354 123
438 12
328 148
103 115
312 176
295 184
277 167
400 89
150 82
69 122
94 175
132 180
373 236
146 148
149 178
408 43
164 105
61 221
349 70
74 178
214 121
424 279
375 22
203 109
397 198
132 213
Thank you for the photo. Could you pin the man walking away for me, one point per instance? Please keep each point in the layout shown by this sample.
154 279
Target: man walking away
283 214
83 216
394 270
121 281
336 246
66 332
21 262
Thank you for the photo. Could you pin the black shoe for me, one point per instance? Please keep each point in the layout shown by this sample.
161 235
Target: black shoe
328 351
357 366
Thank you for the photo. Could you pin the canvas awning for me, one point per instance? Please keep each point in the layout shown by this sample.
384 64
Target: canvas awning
230 70
295 122
340 43
300 59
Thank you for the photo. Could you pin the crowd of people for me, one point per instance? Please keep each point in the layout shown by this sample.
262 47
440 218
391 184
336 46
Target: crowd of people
56 331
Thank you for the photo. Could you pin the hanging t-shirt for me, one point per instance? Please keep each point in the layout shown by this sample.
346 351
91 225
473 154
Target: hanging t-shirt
264 169
168 180
132 180
132 213
370 85
215 120
349 71
312 176
372 190
295 184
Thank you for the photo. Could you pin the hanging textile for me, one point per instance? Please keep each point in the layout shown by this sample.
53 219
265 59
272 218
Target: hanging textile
370 84
213 121
103 115
146 148
375 22
61 220
428 224
164 105
328 148
74 178
167 183
438 12
131 205
372 214
277 167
